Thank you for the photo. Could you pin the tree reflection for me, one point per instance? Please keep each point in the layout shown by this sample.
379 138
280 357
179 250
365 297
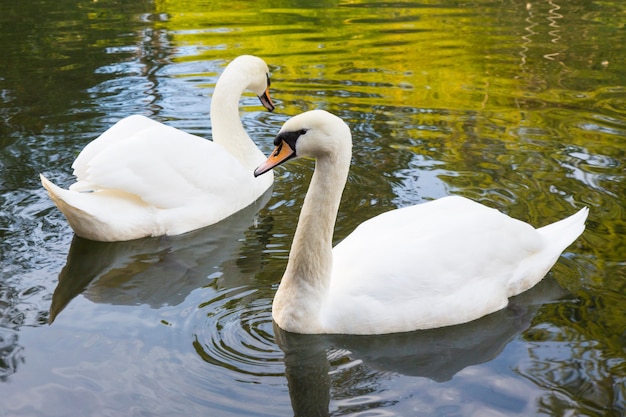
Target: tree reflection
580 372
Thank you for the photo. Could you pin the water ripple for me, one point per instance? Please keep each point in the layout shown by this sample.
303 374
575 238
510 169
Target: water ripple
235 333
11 352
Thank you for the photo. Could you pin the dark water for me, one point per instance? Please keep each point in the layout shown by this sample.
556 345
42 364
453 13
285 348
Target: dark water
519 105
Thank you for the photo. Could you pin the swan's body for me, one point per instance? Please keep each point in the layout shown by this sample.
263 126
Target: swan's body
441 263
143 178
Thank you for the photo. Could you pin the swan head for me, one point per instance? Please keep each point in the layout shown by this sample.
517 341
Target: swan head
316 134
256 77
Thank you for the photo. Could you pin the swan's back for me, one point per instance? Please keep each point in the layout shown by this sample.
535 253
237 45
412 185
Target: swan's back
441 263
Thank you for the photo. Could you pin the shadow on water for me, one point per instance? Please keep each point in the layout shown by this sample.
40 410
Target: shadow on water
437 354
154 271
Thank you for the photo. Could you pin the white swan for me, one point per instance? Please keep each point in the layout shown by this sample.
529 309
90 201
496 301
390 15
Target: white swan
436 264
143 178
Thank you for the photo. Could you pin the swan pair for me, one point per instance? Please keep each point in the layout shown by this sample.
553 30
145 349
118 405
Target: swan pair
142 178
441 263
445 262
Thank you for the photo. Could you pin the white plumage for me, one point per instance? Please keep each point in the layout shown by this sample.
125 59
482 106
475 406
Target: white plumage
143 178
440 263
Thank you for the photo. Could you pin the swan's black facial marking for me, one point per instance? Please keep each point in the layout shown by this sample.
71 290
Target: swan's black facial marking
265 98
290 138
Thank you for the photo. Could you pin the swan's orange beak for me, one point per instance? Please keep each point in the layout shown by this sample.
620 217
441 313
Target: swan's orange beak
281 153
266 100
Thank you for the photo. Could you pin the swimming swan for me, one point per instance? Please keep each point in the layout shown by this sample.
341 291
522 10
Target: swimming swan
142 178
441 263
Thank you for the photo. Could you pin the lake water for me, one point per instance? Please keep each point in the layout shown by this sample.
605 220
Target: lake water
518 105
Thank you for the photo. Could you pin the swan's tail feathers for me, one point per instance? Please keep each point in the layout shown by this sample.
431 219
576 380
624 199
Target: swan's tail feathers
104 215
564 232
65 202
557 236
55 192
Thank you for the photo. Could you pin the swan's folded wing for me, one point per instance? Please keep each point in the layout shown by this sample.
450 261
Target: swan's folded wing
162 166
125 129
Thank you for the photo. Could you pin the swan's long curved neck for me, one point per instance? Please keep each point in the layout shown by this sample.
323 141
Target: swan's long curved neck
311 252
227 129
307 277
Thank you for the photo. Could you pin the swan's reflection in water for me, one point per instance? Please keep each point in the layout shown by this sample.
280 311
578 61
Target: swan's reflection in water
155 271
437 354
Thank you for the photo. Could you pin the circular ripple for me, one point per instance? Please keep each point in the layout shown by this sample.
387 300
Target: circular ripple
235 332
238 365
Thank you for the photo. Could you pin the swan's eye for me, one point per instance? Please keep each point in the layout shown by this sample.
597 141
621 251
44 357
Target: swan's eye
269 82
302 132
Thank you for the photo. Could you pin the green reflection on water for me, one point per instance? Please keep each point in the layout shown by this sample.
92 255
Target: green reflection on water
519 105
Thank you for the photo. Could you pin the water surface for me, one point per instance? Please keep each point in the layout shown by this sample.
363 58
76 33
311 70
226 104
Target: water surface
518 105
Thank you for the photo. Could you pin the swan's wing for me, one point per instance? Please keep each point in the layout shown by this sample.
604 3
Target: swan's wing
442 237
123 130
162 166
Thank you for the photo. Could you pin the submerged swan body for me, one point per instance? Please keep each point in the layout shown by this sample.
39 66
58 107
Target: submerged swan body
441 263
142 178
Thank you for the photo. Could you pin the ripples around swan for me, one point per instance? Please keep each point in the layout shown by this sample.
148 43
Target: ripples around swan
234 331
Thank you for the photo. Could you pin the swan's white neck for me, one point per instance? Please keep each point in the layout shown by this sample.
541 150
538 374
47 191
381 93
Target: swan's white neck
227 129
304 285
